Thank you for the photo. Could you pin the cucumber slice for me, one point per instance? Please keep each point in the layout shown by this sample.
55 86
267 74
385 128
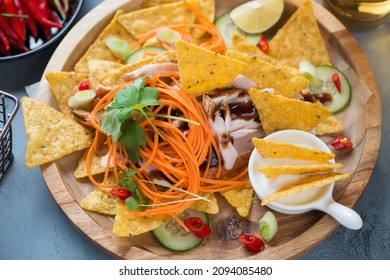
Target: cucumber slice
138 54
226 27
172 236
340 100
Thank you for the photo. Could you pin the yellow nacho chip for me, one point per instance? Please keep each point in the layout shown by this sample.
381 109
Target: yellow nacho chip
96 166
51 135
274 149
272 171
277 112
241 44
207 7
208 207
306 183
329 125
141 21
98 68
284 80
199 76
127 225
100 201
64 85
99 50
300 39
240 198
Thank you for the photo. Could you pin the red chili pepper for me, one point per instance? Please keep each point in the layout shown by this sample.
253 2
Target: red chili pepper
341 143
336 81
9 7
20 11
57 6
38 9
252 243
4 40
263 44
4 51
121 193
197 227
31 23
84 85
4 26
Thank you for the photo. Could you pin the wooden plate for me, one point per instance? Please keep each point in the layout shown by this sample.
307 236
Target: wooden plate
297 234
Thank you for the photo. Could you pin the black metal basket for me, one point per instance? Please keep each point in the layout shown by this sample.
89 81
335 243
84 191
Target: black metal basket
8 103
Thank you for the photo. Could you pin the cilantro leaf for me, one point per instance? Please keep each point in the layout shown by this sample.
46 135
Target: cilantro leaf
133 136
110 124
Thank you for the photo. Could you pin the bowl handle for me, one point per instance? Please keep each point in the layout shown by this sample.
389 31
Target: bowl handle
344 215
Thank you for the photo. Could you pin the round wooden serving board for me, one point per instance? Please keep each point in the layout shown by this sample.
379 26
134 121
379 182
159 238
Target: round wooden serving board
297 234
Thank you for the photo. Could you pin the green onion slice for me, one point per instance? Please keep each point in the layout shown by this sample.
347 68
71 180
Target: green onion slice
168 35
81 98
120 48
268 226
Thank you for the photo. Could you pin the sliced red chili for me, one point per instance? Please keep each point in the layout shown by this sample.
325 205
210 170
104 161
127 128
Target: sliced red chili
341 143
252 242
197 227
263 44
336 81
121 193
84 85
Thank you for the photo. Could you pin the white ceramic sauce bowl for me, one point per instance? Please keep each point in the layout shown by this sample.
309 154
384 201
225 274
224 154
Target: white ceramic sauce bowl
313 199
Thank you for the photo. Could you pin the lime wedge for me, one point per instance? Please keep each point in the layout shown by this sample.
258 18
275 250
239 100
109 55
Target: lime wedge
257 16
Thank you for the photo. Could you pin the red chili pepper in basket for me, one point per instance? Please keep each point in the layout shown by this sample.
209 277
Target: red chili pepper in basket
336 81
9 8
341 143
263 44
38 9
57 6
252 242
121 193
197 227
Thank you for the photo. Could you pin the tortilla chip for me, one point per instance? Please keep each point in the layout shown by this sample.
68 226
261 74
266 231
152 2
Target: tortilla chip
100 201
284 80
306 183
329 125
207 7
208 207
199 76
64 85
96 166
98 68
300 39
51 135
272 171
99 50
277 112
141 21
273 149
240 198
126 225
